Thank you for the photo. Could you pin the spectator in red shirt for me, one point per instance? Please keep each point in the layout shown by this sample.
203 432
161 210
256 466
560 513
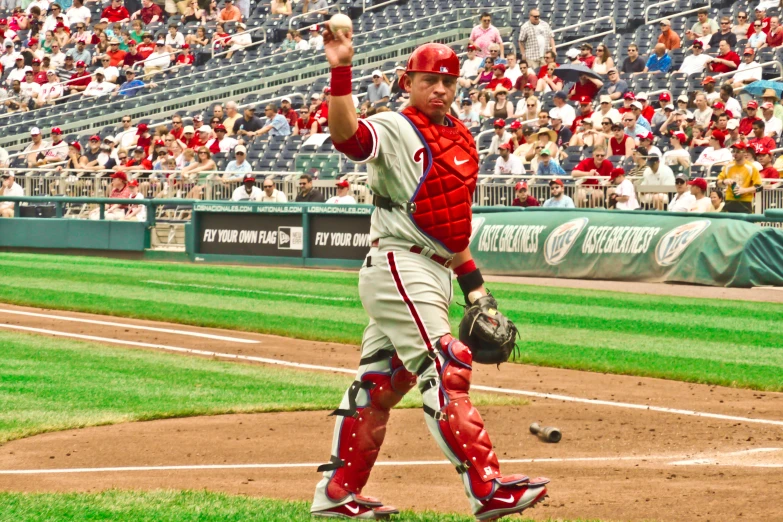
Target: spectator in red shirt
176 127
746 124
647 110
116 12
726 61
628 99
185 58
587 86
549 57
149 13
598 165
759 137
586 56
131 57
764 157
498 79
523 199
146 47
116 56
775 34
322 113
139 161
305 123
39 76
761 14
286 110
144 138
80 79
585 112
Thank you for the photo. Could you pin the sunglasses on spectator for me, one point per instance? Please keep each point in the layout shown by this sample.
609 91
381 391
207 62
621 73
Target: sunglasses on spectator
599 155
177 122
302 184
756 25
122 157
679 182
531 105
742 17
606 123
269 186
126 121
535 16
494 50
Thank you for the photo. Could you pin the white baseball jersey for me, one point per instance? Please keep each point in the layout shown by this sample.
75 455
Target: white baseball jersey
142 215
342 200
394 169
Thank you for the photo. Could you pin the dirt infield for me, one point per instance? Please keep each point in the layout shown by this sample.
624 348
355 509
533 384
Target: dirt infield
718 456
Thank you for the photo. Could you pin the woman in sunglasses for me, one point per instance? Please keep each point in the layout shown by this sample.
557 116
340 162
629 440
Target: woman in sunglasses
740 28
758 38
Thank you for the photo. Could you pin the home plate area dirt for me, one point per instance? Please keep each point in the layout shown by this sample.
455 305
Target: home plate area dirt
613 463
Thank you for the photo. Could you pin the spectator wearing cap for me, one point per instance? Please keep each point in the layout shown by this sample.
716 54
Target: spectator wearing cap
562 133
547 165
133 85
343 196
645 140
97 156
772 125
621 144
760 15
149 13
74 161
703 112
771 96
615 88
774 40
589 193
633 63
157 60
485 35
500 137
523 199
586 86
271 194
378 91
10 188
500 107
701 203
678 155
518 137
18 72
624 196
741 181
764 157
99 86
716 153
662 114
655 174
6 33
119 190
695 62
746 123
135 212
468 115
8 58
682 200
115 12
229 13
585 56
726 61
316 41
221 143
561 110
659 61
544 138
498 79
30 89
58 149
288 112
115 54
668 38
535 39
397 92
39 76
248 190
50 91
240 40
80 52
748 71
237 167
605 110
470 67
67 69
585 112
557 198
506 163
734 136
34 150
137 162
638 110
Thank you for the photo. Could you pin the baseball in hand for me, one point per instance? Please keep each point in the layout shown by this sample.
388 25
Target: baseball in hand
340 22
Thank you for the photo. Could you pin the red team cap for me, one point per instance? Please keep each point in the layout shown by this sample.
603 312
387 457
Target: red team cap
500 66
95 138
739 145
708 79
521 185
556 182
434 58
516 124
718 105
645 136
500 122
629 96
249 178
133 183
665 97
343 183
141 129
75 145
699 182
119 175
220 127
753 104
767 105
585 99
719 135
506 146
81 64
616 173
56 130
680 136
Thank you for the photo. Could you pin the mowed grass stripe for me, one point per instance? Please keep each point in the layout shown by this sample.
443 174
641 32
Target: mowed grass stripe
589 325
54 384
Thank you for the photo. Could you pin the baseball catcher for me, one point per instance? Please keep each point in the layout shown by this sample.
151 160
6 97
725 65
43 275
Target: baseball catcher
422 167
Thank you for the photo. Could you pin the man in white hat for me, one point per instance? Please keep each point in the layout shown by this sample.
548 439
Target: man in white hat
239 41
158 59
316 40
378 91
9 188
605 110
34 149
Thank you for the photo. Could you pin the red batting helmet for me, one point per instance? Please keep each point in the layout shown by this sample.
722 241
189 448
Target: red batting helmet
434 58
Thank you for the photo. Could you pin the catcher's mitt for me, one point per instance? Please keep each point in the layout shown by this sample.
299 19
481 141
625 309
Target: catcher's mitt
490 335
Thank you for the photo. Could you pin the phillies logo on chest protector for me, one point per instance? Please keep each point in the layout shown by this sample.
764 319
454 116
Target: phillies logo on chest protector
449 170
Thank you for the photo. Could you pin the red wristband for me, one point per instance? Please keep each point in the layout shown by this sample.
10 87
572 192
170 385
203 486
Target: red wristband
465 268
341 81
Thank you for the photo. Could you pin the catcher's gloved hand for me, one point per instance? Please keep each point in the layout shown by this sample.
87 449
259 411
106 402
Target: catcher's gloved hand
490 335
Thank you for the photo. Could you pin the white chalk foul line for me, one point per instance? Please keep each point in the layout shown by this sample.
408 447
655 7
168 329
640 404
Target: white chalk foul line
511 391
251 291
198 467
134 326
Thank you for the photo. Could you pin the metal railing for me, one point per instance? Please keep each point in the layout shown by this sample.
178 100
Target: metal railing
213 43
585 38
310 14
647 20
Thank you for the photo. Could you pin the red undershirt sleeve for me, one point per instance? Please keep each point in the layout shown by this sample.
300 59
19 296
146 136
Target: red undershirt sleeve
362 145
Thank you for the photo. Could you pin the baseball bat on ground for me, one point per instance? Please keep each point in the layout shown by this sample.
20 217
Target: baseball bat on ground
546 433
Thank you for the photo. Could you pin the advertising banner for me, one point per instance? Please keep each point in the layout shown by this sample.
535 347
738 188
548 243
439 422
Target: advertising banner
252 234
628 246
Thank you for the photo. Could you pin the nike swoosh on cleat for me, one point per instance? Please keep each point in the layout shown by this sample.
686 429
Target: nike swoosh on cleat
508 500
458 163
354 509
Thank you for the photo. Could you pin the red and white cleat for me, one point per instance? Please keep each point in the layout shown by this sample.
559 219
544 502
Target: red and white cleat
360 508
514 498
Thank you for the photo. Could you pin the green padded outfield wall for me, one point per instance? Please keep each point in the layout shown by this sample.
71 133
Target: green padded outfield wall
628 246
77 234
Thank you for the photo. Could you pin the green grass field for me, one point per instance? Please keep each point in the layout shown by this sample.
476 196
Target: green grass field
733 343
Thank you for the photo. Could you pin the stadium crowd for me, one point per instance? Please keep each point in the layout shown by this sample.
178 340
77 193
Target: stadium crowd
621 138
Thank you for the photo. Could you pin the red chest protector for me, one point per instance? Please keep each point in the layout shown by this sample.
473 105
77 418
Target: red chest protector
449 171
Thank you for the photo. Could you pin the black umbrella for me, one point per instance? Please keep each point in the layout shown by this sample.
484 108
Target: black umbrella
571 73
